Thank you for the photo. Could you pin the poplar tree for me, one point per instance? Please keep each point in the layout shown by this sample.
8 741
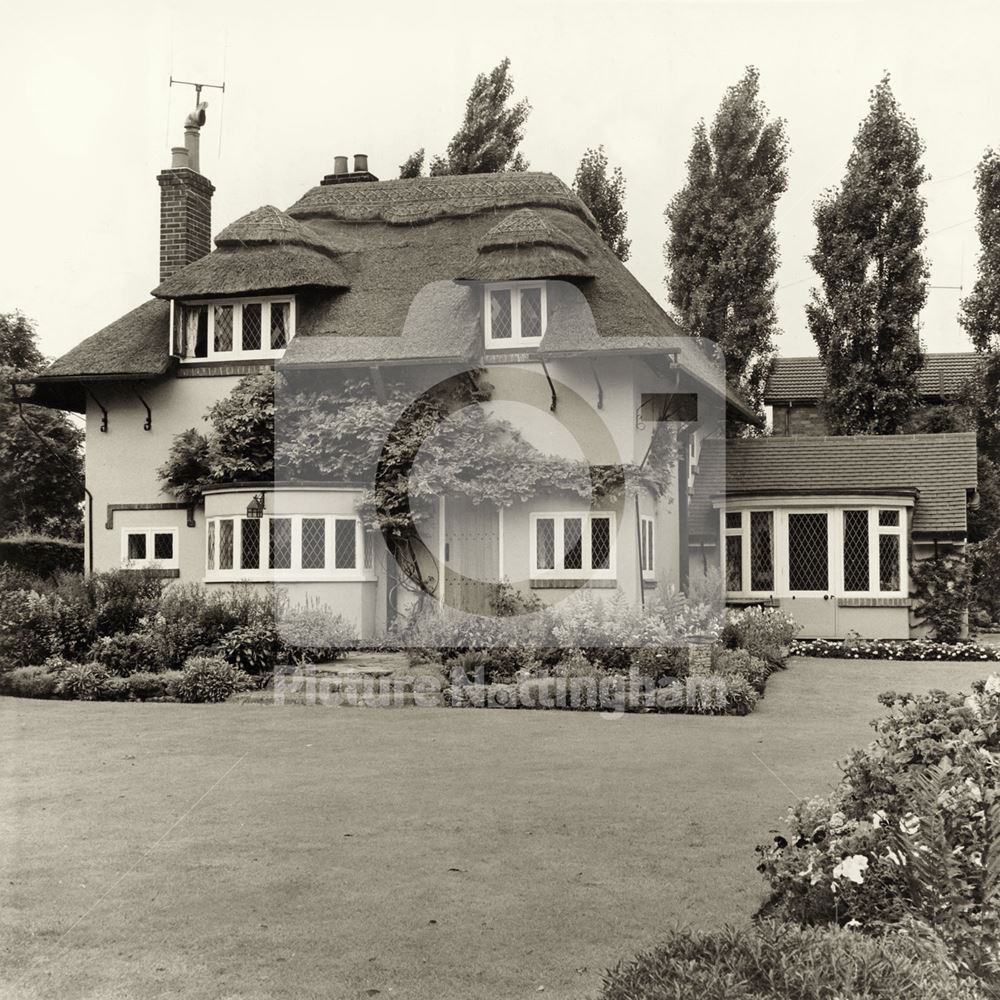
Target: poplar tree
487 140
980 311
722 251
604 195
873 274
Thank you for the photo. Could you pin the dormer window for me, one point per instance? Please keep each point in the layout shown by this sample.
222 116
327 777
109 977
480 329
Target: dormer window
218 330
515 314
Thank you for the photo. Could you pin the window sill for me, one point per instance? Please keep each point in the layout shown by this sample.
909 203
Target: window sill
573 583
157 571
873 602
764 601
284 576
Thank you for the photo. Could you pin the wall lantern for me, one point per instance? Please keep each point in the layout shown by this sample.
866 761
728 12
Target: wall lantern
256 506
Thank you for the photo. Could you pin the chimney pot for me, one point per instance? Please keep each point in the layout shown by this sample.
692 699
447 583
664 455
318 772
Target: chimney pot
180 157
360 162
339 165
192 142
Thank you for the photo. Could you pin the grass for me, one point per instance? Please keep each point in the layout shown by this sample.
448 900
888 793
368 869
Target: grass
251 851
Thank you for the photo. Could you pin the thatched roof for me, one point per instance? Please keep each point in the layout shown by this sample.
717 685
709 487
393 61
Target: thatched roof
524 246
133 347
264 251
372 261
425 199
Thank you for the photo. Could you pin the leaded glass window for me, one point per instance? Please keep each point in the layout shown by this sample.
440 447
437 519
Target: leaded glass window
734 563
226 544
345 545
888 562
501 323
600 542
250 543
211 544
163 545
137 546
761 550
545 543
531 312
223 328
279 325
856 550
279 546
251 326
808 552
313 543
572 543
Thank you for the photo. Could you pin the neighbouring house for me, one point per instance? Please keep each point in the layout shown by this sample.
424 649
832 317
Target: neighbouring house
795 387
503 275
828 527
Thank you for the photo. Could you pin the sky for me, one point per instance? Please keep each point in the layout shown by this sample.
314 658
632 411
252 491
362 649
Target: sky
91 118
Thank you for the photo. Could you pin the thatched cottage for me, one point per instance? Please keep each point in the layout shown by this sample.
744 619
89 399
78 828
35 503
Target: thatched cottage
504 274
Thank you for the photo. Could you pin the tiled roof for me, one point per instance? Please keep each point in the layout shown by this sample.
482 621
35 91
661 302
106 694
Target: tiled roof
803 379
939 468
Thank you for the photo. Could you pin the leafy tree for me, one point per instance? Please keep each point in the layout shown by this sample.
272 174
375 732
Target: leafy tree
413 165
41 484
874 275
605 197
487 141
722 251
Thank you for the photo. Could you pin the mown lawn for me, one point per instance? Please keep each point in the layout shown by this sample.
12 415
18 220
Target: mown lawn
246 851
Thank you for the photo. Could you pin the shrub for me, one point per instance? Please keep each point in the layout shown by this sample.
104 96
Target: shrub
929 778
312 633
740 663
764 632
661 663
941 592
30 682
145 686
775 962
252 648
41 556
128 653
85 681
122 598
210 679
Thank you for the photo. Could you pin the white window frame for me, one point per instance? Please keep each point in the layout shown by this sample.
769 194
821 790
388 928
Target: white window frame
647 546
835 547
559 572
295 572
515 288
150 562
237 353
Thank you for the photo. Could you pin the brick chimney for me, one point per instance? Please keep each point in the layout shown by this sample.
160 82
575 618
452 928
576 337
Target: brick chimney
340 174
185 203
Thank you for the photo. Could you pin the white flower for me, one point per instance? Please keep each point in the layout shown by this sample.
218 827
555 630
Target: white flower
852 924
851 868
974 790
910 824
992 684
837 820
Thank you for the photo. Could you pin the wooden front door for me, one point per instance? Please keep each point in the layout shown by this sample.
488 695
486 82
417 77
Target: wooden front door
472 555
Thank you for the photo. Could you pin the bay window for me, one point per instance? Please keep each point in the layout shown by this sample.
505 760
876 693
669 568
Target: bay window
216 330
843 550
572 545
297 546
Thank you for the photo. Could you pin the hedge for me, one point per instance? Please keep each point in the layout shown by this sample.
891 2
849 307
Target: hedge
41 556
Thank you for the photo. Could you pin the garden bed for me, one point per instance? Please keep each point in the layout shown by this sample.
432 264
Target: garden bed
896 649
